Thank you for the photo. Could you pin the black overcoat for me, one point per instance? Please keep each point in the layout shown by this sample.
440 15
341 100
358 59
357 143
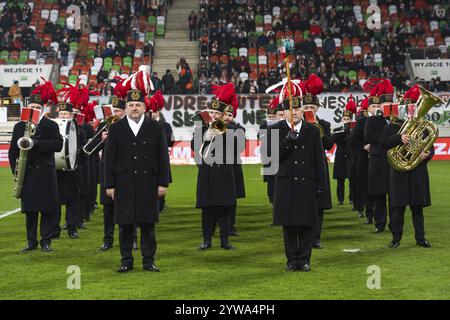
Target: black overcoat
170 141
215 182
135 166
237 166
324 199
300 176
406 188
40 191
378 164
356 144
342 160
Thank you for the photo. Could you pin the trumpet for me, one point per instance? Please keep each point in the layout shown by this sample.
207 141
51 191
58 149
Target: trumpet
91 146
216 126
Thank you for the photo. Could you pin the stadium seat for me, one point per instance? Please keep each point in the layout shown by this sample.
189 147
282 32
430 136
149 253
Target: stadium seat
93 37
45 14
73 47
243 76
161 20
276 11
54 15
434 25
268 19
357 50
430 41
138 53
111 43
262 60
55 46
234 52
243 52
4 55
127 61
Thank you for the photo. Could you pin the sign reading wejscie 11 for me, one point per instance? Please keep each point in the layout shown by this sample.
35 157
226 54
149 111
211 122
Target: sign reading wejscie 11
26 74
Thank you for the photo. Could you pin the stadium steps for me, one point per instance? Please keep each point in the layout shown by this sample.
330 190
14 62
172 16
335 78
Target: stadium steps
175 44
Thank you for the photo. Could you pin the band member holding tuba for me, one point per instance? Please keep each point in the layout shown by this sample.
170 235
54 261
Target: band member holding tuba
364 201
299 180
381 94
39 192
342 159
313 86
118 105
407 187
216 187
136 175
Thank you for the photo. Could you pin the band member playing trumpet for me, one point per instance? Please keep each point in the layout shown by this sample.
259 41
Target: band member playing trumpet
216 187
407 188
39 187
299 180
108 203
313 86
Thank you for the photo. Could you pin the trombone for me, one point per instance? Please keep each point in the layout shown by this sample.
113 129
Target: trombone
91 146
218 125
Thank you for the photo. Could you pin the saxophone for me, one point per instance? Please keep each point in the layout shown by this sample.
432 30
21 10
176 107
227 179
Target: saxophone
25 144
423 133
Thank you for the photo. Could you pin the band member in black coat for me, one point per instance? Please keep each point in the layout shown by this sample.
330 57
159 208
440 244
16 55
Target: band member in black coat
216 187
300 178
39 193
237 164
136 175
342 159
264 129
378 165
411 188
108 203
69 182
310 105
364 201
157 102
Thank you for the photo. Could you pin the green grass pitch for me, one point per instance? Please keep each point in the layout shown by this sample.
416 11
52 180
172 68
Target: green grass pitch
255 270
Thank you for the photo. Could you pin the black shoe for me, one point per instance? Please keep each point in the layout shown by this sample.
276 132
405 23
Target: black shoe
317 245
135 246
394 244
368 221
360 214
425 243
305 267
29 247
47 248
74 235
125 268
227 246
291 267
204 246
378 230
106 246
151 267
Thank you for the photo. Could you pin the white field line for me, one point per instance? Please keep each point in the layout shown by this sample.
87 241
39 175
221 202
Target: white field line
4 215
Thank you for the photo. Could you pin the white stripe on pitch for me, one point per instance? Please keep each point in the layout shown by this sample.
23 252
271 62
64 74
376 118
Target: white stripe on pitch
4 215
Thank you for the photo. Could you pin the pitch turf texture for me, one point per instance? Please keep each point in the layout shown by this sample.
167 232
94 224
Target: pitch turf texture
255 270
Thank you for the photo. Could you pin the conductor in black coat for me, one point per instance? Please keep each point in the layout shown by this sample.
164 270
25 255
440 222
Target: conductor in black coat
378 165
312 103
136 175
300 179
216 187
411 188
40 192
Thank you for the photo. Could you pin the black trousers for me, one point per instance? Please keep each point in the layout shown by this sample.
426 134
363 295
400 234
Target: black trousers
83 209
398 221
340 190
380 210
352 189
364 203
148 242
318 228
162 204
232 217
72 218
108 223
270 187
298 242
212 216
45 227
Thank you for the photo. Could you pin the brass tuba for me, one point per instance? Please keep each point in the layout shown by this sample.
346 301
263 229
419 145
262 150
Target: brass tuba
25 144
423 133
